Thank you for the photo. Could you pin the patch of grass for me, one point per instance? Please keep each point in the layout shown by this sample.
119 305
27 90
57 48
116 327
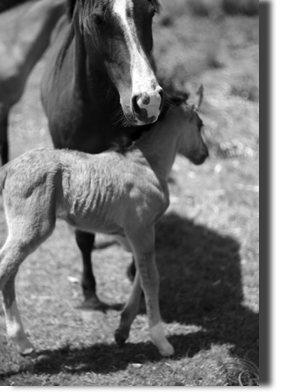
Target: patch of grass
244 7
241 373
210 8
245 89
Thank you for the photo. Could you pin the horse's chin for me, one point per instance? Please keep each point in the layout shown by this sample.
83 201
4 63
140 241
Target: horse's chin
133 119
150 120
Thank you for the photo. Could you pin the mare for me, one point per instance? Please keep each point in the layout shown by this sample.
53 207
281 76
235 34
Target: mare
100 77
19 52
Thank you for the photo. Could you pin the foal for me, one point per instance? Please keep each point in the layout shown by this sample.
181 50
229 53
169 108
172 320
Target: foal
122 194
20 53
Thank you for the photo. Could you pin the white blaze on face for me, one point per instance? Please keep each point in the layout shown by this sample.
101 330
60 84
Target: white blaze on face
144 84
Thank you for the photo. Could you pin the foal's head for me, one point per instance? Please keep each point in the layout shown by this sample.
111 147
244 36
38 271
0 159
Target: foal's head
192 144
118 40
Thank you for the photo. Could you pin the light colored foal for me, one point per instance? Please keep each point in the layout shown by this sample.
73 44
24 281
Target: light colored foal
122 194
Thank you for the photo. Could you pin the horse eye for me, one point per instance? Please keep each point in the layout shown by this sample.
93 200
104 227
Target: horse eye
99 19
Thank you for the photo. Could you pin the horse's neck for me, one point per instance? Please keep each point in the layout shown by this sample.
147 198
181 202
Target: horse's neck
160 146
35 30
90 80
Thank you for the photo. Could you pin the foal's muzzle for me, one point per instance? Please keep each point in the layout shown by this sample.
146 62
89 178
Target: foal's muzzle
198 160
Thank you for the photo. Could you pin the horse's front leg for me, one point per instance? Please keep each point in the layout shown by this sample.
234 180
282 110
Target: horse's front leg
143 245
85 242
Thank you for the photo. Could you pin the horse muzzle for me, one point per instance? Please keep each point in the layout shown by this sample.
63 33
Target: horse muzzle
146 107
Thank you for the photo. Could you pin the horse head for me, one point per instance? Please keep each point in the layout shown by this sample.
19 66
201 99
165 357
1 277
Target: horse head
117 35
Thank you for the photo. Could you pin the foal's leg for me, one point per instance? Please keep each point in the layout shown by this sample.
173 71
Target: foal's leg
11 256
28 227
4 112
142 242
85 242
131 308
129 312
14 326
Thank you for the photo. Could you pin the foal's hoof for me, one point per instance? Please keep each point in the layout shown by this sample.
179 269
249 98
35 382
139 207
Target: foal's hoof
166 350
119 338
28 352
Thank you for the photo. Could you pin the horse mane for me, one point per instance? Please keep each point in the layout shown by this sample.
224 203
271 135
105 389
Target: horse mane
70 8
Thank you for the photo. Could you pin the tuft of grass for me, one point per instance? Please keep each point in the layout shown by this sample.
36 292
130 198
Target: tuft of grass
245 89
241 372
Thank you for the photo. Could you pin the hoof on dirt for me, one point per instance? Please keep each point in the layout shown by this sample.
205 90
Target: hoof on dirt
29 352
119 338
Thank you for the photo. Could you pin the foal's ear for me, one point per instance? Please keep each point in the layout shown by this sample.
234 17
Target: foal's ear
200 93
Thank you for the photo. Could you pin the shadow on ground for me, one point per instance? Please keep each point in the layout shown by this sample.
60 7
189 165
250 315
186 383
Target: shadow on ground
201 285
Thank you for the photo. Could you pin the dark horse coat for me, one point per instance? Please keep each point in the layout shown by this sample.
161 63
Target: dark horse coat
100 83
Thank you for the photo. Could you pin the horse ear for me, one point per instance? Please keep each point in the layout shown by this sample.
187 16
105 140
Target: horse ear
200 93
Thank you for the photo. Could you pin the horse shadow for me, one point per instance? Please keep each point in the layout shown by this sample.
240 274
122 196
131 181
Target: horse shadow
200 285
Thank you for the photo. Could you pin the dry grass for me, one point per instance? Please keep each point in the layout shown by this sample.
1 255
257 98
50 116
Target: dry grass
209 8
207 243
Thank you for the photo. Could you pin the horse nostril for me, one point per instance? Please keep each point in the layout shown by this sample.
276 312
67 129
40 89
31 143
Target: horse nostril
149 105
135 105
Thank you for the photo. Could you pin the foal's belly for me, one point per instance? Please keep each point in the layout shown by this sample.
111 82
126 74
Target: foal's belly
93 224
